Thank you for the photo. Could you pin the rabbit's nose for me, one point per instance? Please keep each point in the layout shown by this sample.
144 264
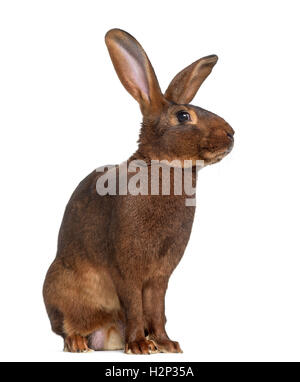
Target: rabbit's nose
230 135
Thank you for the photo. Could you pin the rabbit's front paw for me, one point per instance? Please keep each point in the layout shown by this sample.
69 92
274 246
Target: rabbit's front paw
167 346
140 347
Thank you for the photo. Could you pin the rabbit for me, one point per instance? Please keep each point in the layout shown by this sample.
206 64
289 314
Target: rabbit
106 288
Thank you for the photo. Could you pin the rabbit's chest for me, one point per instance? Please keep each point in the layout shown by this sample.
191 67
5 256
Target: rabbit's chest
154 233
169 242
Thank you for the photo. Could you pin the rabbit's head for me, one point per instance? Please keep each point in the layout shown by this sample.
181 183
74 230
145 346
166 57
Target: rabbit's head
172 129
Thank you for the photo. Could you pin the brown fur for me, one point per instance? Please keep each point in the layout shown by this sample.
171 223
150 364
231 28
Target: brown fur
116 253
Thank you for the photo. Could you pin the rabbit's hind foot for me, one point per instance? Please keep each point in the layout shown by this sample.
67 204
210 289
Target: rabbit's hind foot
76 344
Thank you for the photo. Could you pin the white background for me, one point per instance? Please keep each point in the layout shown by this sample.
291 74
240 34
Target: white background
63 112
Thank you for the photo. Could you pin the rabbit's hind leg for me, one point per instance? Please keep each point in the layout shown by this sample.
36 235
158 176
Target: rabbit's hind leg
76 344
87 329
80 299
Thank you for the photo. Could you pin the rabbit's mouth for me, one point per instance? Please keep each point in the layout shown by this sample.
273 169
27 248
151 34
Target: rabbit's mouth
215 156
216 145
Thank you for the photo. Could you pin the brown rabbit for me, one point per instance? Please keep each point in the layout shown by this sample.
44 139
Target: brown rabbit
107 284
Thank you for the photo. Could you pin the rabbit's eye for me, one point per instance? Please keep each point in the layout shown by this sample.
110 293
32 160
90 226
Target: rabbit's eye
183 116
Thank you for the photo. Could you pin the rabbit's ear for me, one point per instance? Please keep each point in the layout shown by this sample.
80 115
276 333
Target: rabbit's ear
135 71
186 83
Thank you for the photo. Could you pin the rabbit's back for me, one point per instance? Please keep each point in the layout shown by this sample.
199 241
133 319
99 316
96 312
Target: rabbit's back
86 221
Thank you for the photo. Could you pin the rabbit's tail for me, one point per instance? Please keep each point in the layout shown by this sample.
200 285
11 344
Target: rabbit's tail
109 337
